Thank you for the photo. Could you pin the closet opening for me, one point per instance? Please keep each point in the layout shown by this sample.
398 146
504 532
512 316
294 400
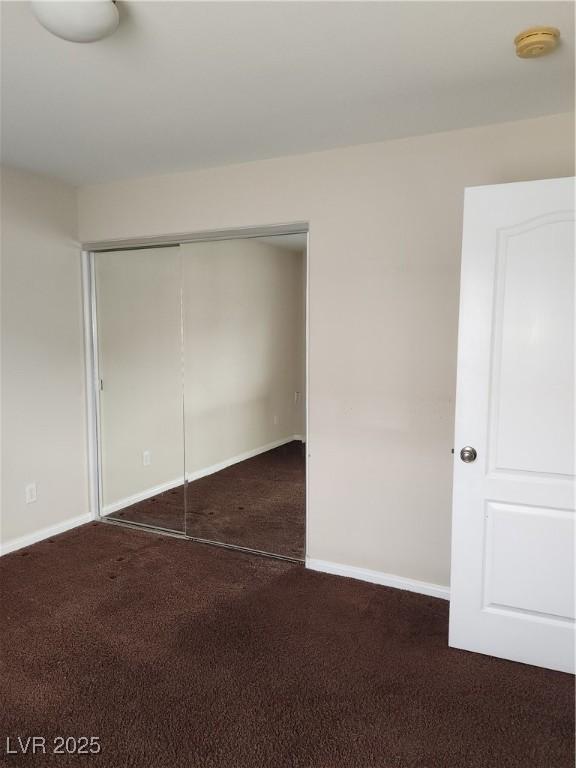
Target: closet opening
199 364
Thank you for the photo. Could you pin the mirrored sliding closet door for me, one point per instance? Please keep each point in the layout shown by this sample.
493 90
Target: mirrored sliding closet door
141 432
244 392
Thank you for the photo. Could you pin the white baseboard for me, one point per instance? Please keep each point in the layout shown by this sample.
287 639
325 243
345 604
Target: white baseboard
196 475
141 496
378 577
44 533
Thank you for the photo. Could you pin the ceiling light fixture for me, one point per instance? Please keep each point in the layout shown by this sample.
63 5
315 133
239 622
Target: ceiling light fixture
79 21
536 41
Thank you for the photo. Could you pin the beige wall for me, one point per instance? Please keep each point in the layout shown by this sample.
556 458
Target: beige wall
140 362
385 230
243 359
244 350
43 416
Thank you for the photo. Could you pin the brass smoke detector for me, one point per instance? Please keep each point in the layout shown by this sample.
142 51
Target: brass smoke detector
536 41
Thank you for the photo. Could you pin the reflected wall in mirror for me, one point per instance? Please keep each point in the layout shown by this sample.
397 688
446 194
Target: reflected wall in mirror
244 392
139 329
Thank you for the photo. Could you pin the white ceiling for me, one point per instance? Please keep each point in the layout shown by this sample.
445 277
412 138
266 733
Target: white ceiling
185 85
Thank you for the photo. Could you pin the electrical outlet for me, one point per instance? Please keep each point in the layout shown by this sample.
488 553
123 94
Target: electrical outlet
296 397
146 458
30 493
275 419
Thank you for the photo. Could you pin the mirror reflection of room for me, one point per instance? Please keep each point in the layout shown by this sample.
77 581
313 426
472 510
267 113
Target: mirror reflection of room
202 362
138 297
244 392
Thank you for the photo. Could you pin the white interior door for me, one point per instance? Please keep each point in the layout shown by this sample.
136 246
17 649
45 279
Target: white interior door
512 591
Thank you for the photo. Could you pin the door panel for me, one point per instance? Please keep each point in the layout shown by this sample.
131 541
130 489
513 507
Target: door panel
244 392
513 514
141 396
533 346
535 582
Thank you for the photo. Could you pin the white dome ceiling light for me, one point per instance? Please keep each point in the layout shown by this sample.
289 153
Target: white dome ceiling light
79 21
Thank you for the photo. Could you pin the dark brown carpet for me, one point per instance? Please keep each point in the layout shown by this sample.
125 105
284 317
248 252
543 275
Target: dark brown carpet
181 655
259 503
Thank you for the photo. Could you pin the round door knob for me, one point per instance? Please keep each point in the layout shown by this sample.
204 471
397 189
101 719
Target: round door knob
468 454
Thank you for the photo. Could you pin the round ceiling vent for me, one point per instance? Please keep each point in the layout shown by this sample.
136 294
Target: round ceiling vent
536 41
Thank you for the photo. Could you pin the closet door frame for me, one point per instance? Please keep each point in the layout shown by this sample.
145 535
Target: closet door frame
92 372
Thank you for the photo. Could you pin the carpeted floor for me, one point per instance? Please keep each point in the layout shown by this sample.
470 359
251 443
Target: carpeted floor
258 503
182 655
